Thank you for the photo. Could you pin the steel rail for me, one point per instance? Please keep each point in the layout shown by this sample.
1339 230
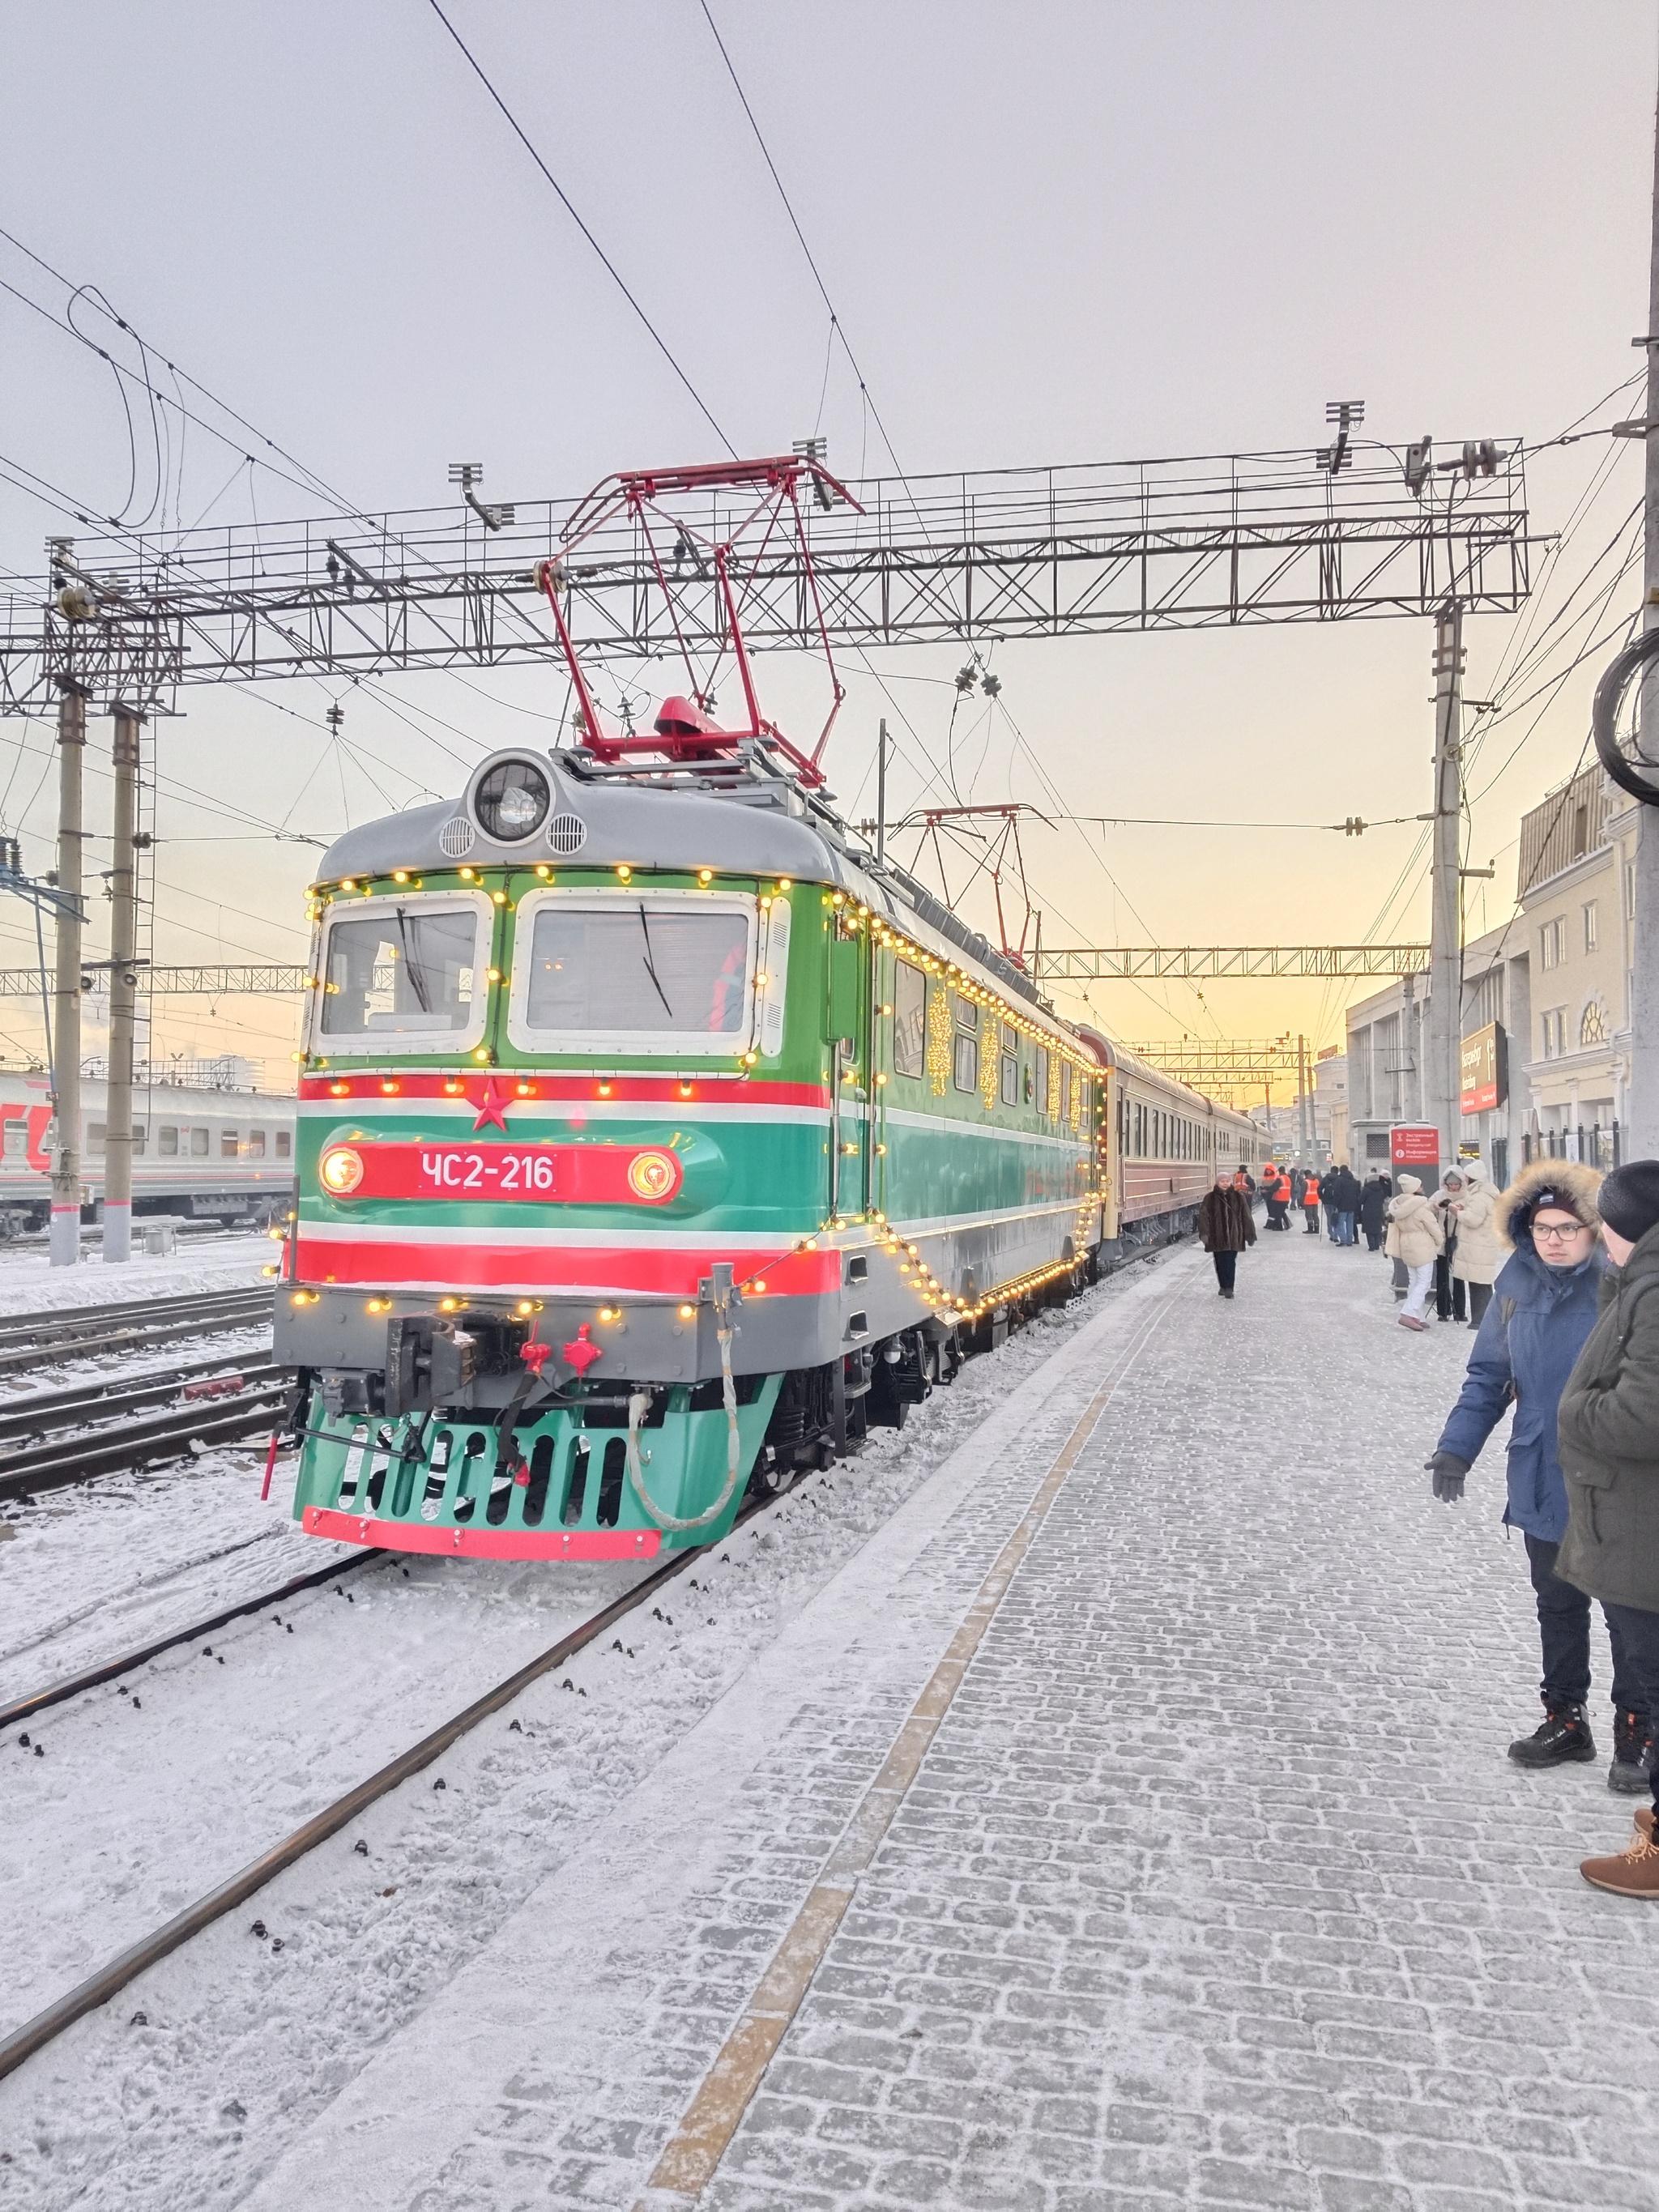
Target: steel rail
51 1321
54 1354
55 1466
110 1670
110 1980
43 1410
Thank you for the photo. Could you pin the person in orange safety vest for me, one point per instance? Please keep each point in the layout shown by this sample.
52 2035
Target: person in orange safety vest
1311 1202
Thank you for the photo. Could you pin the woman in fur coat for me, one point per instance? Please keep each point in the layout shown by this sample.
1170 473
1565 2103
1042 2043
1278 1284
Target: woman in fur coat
1543 1308
1478 1255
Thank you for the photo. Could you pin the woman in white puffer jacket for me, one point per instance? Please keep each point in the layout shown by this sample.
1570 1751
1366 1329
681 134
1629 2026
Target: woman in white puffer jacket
1478 1254
1415 1239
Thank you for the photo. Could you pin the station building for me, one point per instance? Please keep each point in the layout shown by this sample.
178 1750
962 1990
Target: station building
1546 1016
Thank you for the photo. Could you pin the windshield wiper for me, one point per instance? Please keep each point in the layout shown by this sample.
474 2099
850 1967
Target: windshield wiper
650 965
411 967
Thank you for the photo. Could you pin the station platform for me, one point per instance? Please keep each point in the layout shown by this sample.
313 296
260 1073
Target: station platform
1127 1824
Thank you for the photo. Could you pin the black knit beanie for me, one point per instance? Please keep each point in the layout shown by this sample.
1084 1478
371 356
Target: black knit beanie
1628 1200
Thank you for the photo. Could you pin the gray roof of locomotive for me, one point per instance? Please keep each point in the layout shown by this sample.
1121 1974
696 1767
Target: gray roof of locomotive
757 825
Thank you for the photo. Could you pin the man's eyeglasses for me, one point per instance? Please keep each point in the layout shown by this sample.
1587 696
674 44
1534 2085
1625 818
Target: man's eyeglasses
1557 1231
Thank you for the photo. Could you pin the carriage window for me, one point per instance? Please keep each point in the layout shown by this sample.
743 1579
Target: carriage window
16 1138
1043 1078
1010 1078
403 970
639 968
967 1061
228 1145
966 1013
909 1019
167 1141
255 1147
1066 1091
285 1144
198 1143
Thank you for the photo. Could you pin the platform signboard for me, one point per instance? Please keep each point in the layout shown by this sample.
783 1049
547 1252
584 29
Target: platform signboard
1414 1145
1484 1070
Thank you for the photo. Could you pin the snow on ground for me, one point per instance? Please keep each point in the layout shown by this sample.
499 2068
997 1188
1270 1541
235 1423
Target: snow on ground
246 2041
30 1283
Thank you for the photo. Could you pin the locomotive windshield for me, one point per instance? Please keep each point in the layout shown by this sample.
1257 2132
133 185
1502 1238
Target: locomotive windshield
404 970
638 967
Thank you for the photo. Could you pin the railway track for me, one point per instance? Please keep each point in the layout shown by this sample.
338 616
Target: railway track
97 1989
40 1339
131 1440
128 1662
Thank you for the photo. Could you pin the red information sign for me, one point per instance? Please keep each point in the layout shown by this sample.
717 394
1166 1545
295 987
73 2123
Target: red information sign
566 1175
1412 1145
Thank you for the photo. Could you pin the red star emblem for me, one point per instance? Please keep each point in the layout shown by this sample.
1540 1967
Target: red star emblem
492 1108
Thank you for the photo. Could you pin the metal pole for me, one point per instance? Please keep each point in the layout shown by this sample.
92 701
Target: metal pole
65 1237
123 994
1304 1144
1642 1131
1445 1022
881 792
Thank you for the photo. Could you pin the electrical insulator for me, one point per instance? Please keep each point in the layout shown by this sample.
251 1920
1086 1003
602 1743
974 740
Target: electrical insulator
965 678
1353 826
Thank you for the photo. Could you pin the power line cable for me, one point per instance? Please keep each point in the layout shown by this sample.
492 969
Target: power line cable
615 274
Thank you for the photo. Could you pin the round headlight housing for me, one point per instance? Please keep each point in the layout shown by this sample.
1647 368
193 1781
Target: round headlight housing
512 801
340 1170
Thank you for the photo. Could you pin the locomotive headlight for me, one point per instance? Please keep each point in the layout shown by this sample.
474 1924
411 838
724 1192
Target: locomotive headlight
340 1170
652 1176
512 801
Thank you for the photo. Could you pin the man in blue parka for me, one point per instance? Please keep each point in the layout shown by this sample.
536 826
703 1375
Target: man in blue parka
1543 1307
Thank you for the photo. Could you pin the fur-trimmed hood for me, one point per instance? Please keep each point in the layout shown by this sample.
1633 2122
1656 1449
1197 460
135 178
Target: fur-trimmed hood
1579 1182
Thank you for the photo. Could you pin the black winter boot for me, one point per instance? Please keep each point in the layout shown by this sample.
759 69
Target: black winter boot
1632 1752
1562 1739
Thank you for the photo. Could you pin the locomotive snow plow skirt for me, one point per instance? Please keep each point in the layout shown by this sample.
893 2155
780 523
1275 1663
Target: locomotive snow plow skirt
482 1543
439 1485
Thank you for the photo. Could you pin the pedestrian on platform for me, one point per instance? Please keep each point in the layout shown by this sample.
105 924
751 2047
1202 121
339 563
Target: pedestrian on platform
1244 1180
1270 1192
1543 1310
1414 1239
1374 1209
1448 1202
1327 1199
1226 1227
1311 1202
1299 1183
1342 1189
1478 1256
1608 1438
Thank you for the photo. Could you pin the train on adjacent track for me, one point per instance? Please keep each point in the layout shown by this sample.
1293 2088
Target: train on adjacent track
655 1139
199 1154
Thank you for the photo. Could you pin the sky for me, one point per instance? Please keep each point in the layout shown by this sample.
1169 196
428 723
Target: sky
1051 233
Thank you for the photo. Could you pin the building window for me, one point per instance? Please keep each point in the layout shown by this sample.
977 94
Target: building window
967 1061
1593 1024
1629 890
285 1144
1555 1023
167 1142
1589 925
1553 943
909 1019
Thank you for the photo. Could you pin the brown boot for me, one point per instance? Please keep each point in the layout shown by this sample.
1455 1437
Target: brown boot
1635 1871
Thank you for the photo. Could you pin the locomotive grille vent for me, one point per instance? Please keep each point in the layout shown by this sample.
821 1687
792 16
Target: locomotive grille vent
567 834
457 838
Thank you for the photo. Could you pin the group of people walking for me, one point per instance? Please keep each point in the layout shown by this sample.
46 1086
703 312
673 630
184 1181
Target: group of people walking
1570 1337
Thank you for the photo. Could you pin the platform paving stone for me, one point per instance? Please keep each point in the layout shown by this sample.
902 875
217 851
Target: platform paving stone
1216 1888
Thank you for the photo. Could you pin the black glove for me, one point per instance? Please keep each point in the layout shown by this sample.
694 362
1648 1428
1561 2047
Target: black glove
1449 1471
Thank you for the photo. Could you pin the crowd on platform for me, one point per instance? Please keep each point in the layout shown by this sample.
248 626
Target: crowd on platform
1558 1277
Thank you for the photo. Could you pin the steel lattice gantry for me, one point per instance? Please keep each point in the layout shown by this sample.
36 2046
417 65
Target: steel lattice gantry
1180 544
1091 963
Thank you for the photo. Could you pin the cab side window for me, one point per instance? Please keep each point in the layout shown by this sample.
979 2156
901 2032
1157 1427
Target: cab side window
909 1019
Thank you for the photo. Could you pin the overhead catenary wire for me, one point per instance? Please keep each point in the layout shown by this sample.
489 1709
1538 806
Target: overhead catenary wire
615 274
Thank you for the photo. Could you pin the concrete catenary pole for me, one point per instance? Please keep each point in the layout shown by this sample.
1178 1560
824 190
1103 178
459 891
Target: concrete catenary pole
1445 1022
123 996
1642 1134
66 1234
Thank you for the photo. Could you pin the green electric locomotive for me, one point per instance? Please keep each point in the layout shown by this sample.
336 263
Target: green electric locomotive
652 1138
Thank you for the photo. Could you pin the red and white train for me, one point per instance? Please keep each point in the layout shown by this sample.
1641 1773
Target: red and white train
198 1154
